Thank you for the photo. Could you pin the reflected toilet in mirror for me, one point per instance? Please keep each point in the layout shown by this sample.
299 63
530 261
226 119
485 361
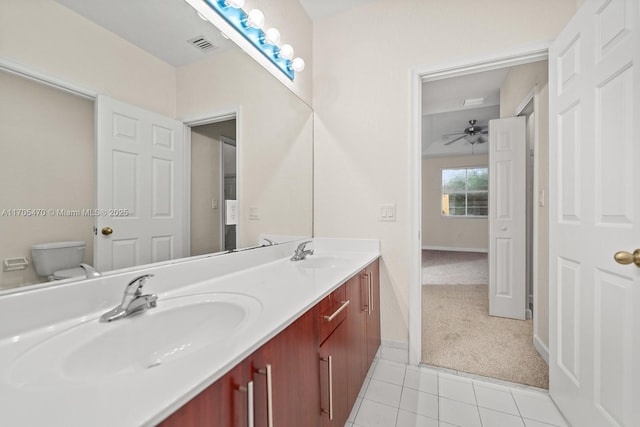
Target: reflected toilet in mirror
61 260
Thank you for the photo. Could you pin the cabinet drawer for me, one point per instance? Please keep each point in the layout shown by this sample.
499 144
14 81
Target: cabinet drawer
332 312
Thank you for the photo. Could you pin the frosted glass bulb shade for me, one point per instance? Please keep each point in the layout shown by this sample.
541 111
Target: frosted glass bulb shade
297 64
286 51
234 3
272 36
255 19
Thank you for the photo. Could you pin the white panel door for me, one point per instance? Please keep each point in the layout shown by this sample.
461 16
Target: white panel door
139 186
508 217
594 93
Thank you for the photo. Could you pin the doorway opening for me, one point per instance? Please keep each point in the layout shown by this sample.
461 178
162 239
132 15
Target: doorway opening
456 329
213 158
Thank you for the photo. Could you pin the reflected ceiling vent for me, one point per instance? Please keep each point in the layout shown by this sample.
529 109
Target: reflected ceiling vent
201 44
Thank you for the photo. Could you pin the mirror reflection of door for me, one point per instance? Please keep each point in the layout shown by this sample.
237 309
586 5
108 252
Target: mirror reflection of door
213 183
228 169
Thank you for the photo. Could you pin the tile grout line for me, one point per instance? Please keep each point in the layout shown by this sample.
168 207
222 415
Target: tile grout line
475 396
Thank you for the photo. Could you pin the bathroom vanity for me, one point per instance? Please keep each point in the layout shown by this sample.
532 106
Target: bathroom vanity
249 338
309 374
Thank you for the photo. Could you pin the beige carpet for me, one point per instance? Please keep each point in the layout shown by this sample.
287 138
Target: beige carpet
458 333
454 268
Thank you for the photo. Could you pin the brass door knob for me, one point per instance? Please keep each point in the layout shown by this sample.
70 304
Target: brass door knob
624 257
107 231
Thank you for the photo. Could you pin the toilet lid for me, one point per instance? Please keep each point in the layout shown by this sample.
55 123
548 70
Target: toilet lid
69 273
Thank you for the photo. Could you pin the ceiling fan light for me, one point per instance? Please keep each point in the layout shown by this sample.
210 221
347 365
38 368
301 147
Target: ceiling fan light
472 139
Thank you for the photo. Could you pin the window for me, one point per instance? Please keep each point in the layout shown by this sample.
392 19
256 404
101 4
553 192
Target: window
465 192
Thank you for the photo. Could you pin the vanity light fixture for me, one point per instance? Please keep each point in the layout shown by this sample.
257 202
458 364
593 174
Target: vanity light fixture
234 3
285 51
254 19
267 42
272 36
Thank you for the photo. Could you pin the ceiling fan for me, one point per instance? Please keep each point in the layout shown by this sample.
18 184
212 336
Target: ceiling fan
472 134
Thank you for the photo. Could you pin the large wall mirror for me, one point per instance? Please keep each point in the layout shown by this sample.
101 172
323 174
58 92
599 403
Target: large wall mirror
241 171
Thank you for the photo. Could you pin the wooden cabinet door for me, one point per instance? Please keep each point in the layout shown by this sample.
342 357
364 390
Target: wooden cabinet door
373 316
334 368
291 396
357 335
223 404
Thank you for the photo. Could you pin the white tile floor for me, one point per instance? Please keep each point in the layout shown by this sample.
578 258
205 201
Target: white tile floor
397 395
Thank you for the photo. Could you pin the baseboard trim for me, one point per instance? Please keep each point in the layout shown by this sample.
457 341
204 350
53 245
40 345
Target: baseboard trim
541 348
454 249
395 344
394 351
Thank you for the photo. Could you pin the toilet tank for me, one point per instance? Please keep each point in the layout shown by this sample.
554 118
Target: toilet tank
51 257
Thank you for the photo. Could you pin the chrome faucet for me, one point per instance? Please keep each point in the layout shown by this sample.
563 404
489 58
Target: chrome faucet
89 271
133 301
301 253
269 242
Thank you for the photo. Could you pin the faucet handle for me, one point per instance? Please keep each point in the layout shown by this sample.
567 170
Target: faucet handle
137 283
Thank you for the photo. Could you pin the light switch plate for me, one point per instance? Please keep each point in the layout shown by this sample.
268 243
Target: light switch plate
254 215
387 212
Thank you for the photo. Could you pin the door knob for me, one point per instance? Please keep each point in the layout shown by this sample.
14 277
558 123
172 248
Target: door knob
107 231
624 257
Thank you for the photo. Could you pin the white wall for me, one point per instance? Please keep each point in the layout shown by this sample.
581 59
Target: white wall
274 140
450 232
46 140
48 37
362 63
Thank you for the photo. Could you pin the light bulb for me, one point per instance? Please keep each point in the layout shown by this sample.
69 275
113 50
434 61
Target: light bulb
234 3
297 64
285 52
272 36
255 19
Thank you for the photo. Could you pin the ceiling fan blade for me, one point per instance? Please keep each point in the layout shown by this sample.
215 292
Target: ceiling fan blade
484 132
454 134
454 140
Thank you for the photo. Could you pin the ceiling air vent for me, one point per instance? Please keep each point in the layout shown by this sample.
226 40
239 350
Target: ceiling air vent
201 44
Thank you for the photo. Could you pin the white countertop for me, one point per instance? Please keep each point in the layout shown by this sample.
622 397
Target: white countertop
283 288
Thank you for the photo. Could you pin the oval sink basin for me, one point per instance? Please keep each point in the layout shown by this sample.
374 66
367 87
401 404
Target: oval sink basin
320 261
176 328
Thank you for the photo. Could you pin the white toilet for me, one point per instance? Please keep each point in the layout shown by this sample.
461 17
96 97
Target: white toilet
59 260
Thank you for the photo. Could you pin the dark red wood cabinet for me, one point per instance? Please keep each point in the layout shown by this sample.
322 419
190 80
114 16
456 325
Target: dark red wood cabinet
307 375
357 337
372 277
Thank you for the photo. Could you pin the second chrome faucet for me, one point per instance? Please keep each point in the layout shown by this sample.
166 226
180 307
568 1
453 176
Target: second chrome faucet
133 301
301 253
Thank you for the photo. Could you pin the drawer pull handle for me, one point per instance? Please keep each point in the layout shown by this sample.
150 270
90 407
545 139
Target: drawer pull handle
329 361
335 313
370 279
267 372
249 390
